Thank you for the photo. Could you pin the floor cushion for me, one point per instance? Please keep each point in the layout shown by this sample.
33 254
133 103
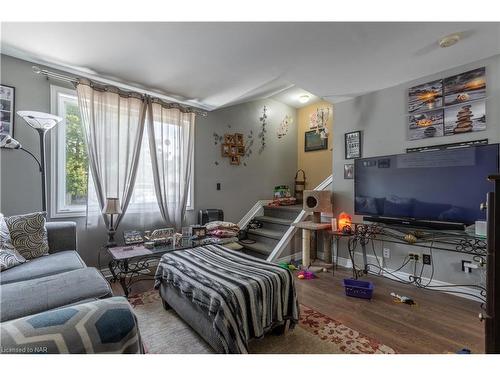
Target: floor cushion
43 266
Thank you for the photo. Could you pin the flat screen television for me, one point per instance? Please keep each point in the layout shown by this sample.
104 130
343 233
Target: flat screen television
440 189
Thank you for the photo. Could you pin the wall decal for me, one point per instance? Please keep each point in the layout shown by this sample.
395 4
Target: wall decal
284 126
318 121
262 134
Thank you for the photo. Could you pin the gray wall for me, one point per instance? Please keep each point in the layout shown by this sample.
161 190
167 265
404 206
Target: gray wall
382 118
241 186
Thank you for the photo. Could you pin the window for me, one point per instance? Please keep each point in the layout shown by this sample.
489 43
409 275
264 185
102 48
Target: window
69 156
69 164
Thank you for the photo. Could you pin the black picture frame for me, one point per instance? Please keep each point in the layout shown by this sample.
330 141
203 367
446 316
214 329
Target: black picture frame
353 145
314 142
9 99
348 171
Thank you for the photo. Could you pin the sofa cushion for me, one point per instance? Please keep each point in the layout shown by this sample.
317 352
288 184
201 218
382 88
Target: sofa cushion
10 258
44 266
33 296
28 234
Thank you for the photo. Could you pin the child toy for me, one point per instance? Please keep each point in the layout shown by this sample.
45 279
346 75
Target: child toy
306 275
403 299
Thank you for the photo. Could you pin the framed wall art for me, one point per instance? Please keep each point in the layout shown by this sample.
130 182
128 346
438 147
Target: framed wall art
453 105
352 144
348 171
7 109
314 142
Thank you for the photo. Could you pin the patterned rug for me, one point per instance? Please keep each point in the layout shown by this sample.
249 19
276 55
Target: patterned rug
164 332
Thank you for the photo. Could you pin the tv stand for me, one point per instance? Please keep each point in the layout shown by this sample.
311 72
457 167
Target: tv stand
411 223
364 234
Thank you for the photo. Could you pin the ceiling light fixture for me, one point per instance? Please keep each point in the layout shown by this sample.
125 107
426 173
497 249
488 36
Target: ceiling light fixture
304 98
449 40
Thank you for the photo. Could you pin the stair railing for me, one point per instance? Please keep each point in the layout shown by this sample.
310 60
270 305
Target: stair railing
287 237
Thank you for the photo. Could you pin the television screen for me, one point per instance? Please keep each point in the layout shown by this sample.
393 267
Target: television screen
444 185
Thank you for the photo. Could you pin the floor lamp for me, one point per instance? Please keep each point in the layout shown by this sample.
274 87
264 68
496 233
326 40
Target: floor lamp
42 123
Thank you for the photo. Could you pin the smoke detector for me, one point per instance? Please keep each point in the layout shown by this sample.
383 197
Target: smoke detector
449 40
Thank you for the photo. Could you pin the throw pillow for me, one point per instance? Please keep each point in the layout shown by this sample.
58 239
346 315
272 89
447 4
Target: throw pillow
28 234
4 234
10 258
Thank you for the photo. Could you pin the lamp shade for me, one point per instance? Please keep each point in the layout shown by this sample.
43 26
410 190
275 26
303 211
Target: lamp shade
40 120
6 141
112 206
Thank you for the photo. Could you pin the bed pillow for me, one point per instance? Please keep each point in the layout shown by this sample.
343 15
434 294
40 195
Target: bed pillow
10 258
28 234
223 233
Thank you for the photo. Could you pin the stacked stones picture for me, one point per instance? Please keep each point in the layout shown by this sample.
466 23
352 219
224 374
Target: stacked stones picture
454 105
7 113
465 118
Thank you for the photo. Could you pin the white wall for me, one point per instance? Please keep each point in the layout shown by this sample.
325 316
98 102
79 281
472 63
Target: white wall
381 116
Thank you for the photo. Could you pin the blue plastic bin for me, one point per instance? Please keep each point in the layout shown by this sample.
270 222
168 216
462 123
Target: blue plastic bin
358 288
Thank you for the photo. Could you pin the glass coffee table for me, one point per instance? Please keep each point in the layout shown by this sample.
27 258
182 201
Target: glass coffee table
133 263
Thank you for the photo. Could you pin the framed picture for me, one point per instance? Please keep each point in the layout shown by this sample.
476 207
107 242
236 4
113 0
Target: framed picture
7 109
229 139
425 97
465 87
235 159
238 139
225 150
465 118
348 171
314 142
241 150
352 145
426 125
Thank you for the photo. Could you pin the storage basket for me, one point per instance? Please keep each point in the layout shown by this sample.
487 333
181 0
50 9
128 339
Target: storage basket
358 288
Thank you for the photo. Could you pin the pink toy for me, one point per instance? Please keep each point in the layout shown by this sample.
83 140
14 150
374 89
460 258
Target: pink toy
306 275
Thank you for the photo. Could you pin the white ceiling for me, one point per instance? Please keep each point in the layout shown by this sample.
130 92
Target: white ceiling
213 65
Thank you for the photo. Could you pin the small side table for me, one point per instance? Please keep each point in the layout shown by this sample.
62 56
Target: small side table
307 227
336 236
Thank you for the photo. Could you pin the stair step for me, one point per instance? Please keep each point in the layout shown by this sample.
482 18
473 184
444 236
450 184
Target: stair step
269 233
257 247
274 220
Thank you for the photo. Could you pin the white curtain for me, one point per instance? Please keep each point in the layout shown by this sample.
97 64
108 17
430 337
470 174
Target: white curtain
171 138
114 126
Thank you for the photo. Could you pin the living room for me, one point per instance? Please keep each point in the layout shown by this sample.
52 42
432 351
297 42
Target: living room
250 188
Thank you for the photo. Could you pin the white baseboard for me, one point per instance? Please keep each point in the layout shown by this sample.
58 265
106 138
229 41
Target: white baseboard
473 294
288 258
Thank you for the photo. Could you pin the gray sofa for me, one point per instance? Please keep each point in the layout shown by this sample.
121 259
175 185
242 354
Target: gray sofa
59 294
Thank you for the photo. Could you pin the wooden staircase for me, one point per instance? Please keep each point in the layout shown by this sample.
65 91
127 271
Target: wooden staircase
275 222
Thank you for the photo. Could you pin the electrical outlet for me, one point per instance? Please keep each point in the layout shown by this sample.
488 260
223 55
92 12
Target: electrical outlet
414 256
426 259
387 253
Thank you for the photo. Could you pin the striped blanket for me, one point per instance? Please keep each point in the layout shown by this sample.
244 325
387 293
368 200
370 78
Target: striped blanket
244 296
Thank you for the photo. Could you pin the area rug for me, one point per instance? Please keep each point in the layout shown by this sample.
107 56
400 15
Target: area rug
164 332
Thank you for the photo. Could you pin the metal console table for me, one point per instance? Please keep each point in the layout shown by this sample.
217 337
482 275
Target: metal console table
453 241
129 263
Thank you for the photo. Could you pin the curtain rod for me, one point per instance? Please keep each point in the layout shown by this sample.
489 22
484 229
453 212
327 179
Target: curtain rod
66 78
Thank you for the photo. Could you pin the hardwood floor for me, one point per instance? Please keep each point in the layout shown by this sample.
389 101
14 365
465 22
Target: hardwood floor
439 323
